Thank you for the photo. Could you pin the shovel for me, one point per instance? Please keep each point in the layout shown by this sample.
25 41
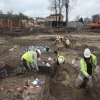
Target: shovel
89 84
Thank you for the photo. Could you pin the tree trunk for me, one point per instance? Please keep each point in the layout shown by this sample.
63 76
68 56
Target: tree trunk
56 15
66 6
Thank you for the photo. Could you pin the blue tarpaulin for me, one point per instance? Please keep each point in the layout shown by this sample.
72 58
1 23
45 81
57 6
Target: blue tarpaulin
34 48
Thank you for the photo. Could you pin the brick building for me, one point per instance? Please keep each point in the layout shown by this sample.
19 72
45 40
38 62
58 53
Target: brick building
10 23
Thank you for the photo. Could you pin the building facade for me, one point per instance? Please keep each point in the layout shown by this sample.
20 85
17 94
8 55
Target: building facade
54 17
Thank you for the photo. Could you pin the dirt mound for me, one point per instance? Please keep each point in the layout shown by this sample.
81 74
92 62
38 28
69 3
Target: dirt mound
63 88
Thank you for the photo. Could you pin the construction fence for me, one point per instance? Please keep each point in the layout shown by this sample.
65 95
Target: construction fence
63 24
55 24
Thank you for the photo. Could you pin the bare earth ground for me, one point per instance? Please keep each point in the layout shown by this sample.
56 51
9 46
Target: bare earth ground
62 84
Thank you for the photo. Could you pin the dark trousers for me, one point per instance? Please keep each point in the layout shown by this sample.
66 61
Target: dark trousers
67 46
25 64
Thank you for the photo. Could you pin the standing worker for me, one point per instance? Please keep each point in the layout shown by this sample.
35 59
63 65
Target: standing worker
30 59
67 43
87 66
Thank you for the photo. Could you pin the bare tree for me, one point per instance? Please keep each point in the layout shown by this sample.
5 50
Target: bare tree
67 9
61 4
1 13
57 6
66 6
77 18
87 21
53 6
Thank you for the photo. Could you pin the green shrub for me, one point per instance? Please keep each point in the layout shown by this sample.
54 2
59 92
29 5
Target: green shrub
60 26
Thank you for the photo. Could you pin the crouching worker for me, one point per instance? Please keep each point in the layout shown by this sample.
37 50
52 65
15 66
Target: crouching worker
88 64
60 58
67 43
57 69
29 59
59 38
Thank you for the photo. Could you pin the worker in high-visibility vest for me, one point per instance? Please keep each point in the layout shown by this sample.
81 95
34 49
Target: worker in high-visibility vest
67 42
59 38
87 66
58 64
60 58
29 59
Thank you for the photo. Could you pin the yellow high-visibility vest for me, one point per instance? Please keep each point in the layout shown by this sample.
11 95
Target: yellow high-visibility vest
83 65
67 42
58 57
28 56
58 37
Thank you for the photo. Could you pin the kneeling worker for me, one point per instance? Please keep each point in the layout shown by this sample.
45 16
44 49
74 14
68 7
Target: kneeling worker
30 59
67 43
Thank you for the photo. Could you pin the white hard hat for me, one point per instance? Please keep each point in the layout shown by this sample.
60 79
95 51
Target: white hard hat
39 52
60 60
87 53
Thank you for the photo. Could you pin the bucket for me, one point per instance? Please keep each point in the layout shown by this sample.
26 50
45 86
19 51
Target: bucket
89 84
47 49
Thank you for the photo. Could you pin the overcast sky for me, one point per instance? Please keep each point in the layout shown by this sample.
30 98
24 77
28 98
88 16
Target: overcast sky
38 8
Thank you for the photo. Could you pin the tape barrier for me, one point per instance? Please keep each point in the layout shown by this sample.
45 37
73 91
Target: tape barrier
20 88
